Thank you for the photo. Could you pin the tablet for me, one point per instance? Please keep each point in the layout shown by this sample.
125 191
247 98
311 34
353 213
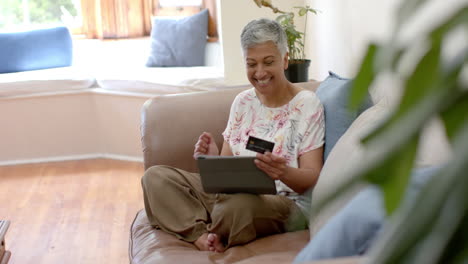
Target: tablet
233 174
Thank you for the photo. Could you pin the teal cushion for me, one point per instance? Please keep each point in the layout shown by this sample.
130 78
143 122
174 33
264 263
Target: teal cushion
353 229
35 49
179 42
334 92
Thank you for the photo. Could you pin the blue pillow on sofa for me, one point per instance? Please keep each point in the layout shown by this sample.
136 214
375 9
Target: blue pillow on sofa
353 229
35 49
334 93
179 42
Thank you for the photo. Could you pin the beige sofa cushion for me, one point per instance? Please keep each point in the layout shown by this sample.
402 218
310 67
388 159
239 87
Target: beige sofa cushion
434 147
150 245
347 152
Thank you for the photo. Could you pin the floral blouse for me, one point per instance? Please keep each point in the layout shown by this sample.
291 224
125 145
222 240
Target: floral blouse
296 127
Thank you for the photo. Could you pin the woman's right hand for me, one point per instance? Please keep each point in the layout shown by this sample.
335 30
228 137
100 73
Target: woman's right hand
205 146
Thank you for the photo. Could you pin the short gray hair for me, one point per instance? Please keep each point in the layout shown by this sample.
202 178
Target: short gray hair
262 30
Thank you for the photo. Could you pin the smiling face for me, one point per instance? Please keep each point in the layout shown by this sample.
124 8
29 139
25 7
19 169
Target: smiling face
265 67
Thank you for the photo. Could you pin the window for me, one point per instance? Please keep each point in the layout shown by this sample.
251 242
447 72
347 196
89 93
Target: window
26 14
99 19
166 3
176 8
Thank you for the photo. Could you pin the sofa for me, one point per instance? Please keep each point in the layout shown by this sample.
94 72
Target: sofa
170 126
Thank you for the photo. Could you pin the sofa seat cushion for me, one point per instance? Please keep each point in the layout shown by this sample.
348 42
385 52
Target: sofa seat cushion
56 80
149 245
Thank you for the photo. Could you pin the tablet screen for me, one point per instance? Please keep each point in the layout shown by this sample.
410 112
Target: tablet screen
233 174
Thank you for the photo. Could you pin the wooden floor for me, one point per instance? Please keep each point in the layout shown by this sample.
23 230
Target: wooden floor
70 212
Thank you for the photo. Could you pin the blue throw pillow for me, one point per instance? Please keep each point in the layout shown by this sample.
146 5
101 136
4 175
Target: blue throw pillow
350 231
353 229
179 43
334 92
35 49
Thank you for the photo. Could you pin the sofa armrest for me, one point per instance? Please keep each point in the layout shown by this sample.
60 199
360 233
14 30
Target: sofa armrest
171 125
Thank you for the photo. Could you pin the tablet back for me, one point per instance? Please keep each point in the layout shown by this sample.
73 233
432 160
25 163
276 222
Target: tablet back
233 174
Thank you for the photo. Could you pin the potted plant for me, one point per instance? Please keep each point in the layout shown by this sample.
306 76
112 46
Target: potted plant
298 70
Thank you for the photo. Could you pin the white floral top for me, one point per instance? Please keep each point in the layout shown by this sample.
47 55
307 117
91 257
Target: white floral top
296 127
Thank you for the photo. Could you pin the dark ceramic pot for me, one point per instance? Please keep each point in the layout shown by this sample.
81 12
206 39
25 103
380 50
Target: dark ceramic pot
298 71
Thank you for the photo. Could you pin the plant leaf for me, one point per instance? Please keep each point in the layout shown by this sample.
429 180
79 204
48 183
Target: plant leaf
314 11
456 251
422 80
427 75
302 11
457 19
388 56
364 78
406 10
258 2
456 113
455 116
393 175
405 231
421 83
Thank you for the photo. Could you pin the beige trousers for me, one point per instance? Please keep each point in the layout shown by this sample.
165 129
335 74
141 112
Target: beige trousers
176 203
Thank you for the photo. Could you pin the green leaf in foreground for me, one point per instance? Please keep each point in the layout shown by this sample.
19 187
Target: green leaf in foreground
455 116
456 20
431 219
456 251
393 175
407 10
424 81
364 78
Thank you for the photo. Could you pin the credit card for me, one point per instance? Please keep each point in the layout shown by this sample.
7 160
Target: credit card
259 145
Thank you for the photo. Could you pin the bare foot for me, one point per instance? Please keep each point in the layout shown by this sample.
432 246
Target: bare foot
202 242
209 242
215 243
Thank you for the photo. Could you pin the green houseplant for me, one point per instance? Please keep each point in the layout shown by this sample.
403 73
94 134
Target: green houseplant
298 64
435 228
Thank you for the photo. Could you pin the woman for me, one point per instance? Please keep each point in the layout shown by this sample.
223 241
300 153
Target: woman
274 110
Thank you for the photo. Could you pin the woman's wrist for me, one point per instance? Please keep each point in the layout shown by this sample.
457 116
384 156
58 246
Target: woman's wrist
285 175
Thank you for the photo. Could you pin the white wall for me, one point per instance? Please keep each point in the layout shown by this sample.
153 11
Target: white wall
235 14
68 126
340 32
339 35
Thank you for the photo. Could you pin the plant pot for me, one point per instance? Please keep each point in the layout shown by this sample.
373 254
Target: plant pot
298 71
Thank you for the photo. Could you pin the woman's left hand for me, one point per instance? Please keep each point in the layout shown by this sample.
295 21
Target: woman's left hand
272 165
